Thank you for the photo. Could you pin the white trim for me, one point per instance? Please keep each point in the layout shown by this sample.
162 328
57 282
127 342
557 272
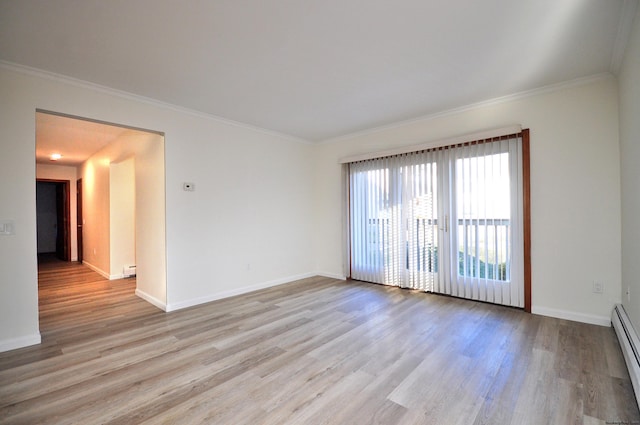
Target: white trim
331 275
572 315
151 299
625 25
103 273
23 341
23 69
97 270
96 121
483 104
480 135
233 292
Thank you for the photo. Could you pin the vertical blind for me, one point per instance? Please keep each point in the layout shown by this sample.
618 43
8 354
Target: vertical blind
446 220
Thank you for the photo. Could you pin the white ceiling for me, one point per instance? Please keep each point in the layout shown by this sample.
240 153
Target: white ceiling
317 69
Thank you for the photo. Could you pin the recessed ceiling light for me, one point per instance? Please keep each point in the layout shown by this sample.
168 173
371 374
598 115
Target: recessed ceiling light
55 156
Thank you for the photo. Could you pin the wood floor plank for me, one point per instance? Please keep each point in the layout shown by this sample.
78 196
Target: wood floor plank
317 350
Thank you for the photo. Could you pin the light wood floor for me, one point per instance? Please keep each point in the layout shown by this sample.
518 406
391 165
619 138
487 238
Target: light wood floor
316 351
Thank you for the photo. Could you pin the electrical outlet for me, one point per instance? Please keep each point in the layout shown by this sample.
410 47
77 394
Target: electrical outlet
7 227
598 287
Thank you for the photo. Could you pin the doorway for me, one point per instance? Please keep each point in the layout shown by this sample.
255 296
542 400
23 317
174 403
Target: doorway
94 156
446 220
53 218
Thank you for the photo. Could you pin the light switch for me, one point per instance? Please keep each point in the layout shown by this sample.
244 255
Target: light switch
7 227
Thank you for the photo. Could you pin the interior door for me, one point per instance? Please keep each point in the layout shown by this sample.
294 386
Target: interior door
79 218
63 245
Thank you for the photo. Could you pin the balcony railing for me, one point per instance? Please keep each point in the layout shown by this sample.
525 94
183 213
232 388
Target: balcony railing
483 246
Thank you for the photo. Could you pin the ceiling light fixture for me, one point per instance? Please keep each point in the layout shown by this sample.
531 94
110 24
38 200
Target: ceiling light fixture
55 156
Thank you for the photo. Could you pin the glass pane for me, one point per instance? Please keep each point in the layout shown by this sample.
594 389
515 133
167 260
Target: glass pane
483 214
422 254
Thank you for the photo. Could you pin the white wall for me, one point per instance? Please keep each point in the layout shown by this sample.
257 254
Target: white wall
62 172
575 190
629 92
127 228
122 211
150 219
248 224
249 221
18 258
95 212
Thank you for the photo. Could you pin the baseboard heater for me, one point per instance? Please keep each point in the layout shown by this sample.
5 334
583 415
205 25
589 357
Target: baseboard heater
129 271
630 345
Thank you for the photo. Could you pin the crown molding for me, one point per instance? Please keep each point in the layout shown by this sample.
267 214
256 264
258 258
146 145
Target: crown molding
52 76
483 104
22 69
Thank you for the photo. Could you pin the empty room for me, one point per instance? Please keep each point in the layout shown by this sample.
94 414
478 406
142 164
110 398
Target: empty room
319 212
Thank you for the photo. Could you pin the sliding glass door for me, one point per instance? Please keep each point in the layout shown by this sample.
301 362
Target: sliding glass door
447 220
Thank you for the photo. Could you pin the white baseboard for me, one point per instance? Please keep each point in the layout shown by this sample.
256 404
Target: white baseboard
23 341
97 270
236 291
331 275
572 315
229 293
103 273
630 345
151 300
